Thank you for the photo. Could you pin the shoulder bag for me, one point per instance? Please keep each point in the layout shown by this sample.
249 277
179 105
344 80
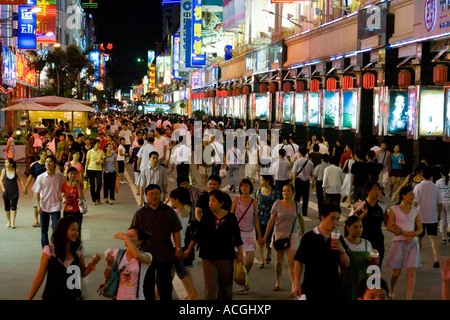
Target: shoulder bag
285 243
82 204
109 288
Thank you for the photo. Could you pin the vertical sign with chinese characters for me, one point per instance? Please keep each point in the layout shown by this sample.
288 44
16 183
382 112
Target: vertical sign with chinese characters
198 56
185 34
46 21
176 57
27 26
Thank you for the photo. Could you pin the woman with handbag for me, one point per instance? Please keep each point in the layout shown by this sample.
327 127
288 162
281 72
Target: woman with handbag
64 251
245 209
285 215
71 192
126 269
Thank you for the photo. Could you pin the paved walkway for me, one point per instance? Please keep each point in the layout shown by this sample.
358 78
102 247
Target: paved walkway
20 251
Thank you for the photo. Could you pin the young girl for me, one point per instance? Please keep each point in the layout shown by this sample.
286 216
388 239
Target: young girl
359 252
181 202
121 155
404 221
71 191
75 163
286 214
132 266
245 209
10 189
65 251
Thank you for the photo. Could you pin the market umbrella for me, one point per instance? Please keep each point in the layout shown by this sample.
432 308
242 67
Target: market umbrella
73 106
52 100
27 106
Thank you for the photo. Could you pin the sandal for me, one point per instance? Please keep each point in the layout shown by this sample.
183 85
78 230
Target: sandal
268 260
241 292
261 265
36 225
276 288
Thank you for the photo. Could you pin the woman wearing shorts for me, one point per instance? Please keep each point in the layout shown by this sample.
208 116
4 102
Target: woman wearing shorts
245 209
396 173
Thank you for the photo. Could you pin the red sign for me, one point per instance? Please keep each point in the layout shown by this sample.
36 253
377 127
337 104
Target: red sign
14 2
25 72
46 21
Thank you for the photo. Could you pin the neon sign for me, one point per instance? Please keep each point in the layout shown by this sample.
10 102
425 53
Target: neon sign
27 27
198 56
25 72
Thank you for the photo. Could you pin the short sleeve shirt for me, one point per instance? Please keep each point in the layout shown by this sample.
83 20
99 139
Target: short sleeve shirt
95 156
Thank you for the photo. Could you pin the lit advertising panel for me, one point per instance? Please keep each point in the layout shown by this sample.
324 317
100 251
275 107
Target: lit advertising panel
350 110
9 67
398 112
237 107
46 21
26 37
288 105
447 116
176 57
262 103
95 58
25 72
377 99
331 109
198 56
411 131
14 2
431 122
300 108
313 108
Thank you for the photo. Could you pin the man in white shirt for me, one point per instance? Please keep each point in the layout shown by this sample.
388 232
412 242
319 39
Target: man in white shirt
127 135
429 198
143 154
317 180
47 189
332 183
322 148
282 170
217 155
181 157
113 127
152 174
302 172
161 144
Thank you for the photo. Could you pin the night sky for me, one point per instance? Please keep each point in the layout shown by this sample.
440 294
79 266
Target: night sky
133 27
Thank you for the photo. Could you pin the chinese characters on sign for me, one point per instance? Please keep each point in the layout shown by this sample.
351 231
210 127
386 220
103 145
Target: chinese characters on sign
176 57
27 26
198 56
9 67
25 72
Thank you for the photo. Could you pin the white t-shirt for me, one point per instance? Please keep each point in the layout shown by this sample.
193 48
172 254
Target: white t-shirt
119 157
428 195
160 144
128 135
143 154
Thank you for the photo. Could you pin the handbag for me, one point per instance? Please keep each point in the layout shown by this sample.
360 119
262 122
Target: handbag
381 164
240 275
82 204
192 180
285 243
86 184
222 173
108 288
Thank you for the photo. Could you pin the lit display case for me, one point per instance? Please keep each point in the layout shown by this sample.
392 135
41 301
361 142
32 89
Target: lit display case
314 99
262 106
351 103
431 112
300 108
331 109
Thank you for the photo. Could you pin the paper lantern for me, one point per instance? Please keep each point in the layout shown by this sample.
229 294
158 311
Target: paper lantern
229 93
331 84
404 79
287 87
263 87
246 90
272 87
314 85
239 91
347 83
300 87
440 73
223 93
369 81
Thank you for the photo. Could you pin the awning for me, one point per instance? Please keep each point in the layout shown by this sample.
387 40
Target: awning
27 106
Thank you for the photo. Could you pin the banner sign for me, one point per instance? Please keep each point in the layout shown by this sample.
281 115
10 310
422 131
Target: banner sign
25 72
9 67
176 57
14 2
185 33
46 21
198 56
27 27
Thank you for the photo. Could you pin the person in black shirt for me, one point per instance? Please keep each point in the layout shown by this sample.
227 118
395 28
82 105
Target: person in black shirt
202 206
218 236
360 176
320 258
374 170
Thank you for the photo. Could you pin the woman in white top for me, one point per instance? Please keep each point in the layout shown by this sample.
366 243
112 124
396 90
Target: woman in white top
133 264
284 215
251 165
404 221
233 160
444 185
347 184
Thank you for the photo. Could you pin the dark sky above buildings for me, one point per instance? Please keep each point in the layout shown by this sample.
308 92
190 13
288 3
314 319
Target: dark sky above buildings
133 27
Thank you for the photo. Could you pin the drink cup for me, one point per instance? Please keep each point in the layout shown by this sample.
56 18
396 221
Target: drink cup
374 257
335 235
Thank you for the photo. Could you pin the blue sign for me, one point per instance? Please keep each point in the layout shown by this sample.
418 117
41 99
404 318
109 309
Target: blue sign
176 57
27 27
198 56
9 67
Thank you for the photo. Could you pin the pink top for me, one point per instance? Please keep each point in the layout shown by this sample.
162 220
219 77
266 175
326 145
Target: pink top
246 222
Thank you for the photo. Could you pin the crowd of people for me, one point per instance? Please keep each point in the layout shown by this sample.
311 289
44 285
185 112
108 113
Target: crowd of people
266 214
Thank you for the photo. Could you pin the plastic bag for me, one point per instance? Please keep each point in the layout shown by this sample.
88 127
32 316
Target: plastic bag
240 275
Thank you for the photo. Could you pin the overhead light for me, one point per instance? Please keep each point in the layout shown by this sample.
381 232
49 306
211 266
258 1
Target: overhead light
49 34
57 45
35 9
